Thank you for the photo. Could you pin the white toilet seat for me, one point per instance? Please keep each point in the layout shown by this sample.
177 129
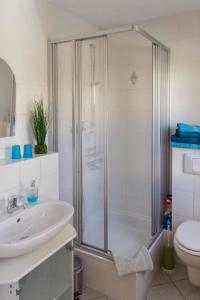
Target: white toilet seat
195 253
186 237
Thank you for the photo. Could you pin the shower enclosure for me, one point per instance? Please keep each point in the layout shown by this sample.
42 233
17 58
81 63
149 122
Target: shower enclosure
109 110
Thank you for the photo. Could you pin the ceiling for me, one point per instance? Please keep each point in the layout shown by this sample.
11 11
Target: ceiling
110 13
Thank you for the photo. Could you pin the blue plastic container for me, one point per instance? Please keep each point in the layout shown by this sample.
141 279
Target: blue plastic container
28 153
16 152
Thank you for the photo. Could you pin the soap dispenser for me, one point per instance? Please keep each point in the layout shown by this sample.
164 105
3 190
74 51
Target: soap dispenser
32 193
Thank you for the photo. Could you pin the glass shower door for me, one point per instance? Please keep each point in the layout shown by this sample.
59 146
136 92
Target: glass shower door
93 141
130 136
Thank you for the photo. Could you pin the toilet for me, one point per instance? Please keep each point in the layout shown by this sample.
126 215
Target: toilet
187 247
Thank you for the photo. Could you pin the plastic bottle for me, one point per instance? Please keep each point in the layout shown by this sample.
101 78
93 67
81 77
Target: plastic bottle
167 216
32 194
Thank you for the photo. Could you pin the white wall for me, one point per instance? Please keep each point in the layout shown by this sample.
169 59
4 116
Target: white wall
59 23
25 26
23 47
181 34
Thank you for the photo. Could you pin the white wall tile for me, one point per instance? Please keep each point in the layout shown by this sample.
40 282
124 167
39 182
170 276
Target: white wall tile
181 180
49 177
16 178
30 170
183 203
9 175
197 197
49 164
177 220
49 188
185 189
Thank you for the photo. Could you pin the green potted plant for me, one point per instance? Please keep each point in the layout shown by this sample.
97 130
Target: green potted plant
40 124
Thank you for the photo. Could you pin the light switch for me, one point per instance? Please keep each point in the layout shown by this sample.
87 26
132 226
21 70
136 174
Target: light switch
191 164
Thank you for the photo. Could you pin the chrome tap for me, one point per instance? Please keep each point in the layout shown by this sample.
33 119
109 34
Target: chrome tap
15 203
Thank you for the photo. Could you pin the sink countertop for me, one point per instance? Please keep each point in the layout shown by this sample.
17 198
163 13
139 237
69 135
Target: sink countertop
15 268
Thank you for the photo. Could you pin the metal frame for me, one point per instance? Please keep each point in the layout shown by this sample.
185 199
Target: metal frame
52 102
77 127
77 143
133 27
77 161
156 139
106 154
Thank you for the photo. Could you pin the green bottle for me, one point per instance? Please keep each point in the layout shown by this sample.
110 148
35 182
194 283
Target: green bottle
168 255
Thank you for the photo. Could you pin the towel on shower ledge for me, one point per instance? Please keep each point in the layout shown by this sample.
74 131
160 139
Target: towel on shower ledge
140 262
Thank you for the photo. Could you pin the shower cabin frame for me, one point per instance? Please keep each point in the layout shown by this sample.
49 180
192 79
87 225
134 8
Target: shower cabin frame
76 128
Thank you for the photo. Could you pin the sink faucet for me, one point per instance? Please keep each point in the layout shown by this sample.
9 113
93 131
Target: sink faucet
14 204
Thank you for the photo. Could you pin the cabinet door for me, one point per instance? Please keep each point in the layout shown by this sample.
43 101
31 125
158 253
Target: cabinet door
52 280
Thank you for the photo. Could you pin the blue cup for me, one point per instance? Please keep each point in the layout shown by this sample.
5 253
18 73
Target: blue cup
28 153
16 152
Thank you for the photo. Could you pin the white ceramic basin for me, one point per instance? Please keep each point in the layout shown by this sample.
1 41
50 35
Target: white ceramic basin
32 227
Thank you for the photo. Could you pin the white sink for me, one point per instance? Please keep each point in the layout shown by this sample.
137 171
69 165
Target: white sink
32 227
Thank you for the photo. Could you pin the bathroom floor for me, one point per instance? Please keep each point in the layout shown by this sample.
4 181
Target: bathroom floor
173 286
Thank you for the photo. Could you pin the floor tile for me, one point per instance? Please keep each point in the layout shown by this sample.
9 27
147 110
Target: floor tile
178 273
164 292
188 291
161 278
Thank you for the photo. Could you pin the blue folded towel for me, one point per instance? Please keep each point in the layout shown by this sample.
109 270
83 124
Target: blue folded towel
187 140
187 134
184 145
188 128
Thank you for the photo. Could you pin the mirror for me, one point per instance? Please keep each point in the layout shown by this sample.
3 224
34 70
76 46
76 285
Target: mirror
7 100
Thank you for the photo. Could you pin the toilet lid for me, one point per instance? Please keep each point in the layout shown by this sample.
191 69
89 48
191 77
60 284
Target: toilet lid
188 235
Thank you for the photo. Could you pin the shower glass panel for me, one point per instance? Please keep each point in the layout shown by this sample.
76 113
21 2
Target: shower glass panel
164 121
92 115
63 70
129 104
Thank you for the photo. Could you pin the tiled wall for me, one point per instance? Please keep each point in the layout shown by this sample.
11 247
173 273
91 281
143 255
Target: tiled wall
17 176
185 188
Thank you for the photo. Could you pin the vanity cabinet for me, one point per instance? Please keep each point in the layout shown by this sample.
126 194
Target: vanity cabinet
45 274
52 280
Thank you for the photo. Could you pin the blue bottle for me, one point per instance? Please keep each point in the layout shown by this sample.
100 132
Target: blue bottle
32 194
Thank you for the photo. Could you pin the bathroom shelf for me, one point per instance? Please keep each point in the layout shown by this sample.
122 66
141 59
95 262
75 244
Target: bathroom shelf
8 161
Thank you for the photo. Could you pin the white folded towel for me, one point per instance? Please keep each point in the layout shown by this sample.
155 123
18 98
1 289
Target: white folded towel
140 262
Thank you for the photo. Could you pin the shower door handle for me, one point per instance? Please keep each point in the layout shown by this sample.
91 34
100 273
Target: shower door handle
19 291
